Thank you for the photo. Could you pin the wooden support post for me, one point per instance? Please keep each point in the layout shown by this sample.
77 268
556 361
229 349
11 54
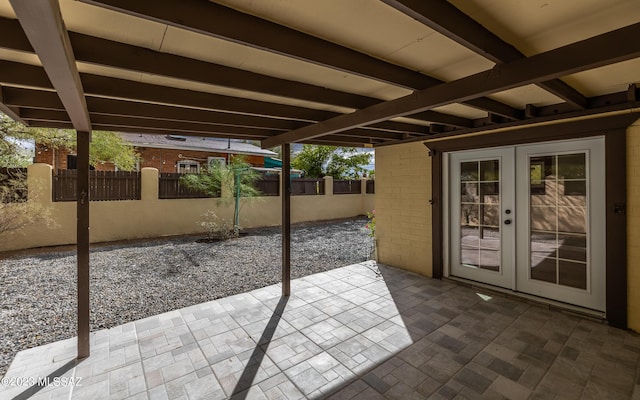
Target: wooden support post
286 219
83 243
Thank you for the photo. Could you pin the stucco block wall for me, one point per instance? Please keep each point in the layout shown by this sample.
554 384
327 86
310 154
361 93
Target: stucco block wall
403 212
153 217
633 224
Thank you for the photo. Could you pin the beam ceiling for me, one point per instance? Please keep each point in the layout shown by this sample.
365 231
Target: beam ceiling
205 17
595 52
102 93
139 59
143 81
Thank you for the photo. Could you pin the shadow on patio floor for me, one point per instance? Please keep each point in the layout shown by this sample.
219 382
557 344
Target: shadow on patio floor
364 331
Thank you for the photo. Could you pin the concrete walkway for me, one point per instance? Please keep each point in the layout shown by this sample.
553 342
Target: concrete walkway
358 332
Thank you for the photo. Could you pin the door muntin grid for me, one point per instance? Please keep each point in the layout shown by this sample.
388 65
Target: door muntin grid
558 225
480 246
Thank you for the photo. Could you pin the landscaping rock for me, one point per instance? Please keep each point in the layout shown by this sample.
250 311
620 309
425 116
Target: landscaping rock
130 281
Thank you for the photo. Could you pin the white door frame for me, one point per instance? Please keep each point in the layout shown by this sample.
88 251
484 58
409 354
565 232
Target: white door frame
504 277
594 297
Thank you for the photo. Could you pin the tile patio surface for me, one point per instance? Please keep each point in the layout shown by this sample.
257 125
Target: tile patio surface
349 333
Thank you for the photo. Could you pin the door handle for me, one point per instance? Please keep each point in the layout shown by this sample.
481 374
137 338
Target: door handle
507 221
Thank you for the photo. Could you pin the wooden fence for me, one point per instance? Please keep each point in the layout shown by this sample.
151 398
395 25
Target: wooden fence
302 187
170 187
103 185
13 183
347 187
371 186
269 185
121 185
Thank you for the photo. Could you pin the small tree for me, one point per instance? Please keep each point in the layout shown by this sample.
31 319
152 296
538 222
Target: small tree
237 178
338 162
12 153
15 211
104 147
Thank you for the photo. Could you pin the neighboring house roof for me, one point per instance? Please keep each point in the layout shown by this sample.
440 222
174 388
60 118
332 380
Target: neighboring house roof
181 142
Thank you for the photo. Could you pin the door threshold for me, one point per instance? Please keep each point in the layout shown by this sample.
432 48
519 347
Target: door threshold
595 315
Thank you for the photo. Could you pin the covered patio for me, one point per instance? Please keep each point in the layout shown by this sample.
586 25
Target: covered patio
390 74
364 331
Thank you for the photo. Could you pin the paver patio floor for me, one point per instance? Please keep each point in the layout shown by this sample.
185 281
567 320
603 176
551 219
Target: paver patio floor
349 333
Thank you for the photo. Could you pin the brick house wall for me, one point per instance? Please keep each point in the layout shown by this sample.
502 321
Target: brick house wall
165 160
57 158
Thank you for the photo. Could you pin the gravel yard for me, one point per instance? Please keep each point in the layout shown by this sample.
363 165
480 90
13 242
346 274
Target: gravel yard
131 281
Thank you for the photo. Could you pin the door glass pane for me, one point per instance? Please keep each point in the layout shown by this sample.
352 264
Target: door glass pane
572 166
469 171
572 219
572 247
469 192
470 215
558 219
480 214
470 246
490 215
543 218
572 274
490 170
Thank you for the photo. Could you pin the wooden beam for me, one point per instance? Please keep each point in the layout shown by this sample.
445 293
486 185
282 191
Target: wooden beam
125 122
604 49
43 25
60 121
446 19
225 23
537 122
142 130
9 111
133 58
82 232
99 87
32 100
286 219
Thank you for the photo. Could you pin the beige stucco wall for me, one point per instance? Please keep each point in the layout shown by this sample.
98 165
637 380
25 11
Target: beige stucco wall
633 224
403 212
151 217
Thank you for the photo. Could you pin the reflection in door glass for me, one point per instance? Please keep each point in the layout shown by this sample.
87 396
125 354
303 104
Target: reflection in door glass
480 214
558 219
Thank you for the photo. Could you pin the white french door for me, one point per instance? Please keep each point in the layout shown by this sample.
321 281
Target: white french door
482 211
531 218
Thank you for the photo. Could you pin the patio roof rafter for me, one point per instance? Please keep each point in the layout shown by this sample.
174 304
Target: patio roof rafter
359 138
446 19
133 121
143 130
139 59
12 112
225 23
42 23
31 99
601 50
24 75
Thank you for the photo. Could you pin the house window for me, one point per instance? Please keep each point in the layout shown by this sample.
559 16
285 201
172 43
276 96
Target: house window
72 162
188 167
220 160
